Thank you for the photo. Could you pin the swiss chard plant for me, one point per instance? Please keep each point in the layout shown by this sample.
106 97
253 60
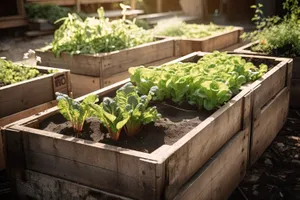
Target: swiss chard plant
208 84
136 108
74 111
127 110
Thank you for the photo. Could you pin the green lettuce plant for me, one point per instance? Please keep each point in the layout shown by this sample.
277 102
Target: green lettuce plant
11 73
209 83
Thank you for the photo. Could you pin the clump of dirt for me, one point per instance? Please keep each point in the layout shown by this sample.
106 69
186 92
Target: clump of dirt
175 123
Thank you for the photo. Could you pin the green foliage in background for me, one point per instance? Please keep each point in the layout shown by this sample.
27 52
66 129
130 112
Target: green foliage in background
11 73
277 36
97 35
50 12
177 28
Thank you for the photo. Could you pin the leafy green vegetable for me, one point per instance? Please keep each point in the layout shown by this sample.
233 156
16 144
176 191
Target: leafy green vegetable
127 110
92 35
135 108
177 28
277 36
11 73
110 114
74 111
208 84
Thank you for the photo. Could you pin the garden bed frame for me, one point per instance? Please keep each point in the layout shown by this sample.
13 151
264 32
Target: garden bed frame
26 98
207 44
93 72
206 157
295 86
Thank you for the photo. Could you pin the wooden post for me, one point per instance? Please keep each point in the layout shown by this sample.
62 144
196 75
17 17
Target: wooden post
159 6
78 8
133 3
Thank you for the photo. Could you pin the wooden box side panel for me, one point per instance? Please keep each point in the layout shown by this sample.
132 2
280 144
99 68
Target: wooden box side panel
83 85
220 42
269 122
77 64
26 95
222 174
95 165
120 61
40 186
271 83
205 140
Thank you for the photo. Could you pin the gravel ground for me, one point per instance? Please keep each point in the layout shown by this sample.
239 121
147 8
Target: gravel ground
14 48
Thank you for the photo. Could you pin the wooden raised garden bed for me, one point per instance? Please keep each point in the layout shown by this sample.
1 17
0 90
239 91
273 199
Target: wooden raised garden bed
207 44
162 166
26 98
295 87
92 72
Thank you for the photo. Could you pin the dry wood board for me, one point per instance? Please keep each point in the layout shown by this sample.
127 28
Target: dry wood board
101 68
207 44
295 85
26 98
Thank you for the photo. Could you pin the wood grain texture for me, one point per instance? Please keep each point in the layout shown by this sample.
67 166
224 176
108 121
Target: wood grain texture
191 152
40 186
221 174
83 85
215 42
295 87
268 123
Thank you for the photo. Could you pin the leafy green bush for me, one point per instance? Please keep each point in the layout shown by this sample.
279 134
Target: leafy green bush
50 12
277 36
208 84
11 73
177 28
92 35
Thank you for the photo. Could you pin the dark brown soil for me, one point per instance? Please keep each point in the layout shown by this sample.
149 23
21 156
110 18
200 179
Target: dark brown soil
175 123
276 175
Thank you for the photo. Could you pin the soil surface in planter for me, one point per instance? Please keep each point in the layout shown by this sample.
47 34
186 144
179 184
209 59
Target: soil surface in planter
276 175
175 123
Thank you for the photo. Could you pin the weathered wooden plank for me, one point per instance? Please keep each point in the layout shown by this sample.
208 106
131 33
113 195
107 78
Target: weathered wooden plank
26 113
215 42
295 88
40 186
120 61
269 122
221 174
272 82
192 151
88 175
83 85
18 97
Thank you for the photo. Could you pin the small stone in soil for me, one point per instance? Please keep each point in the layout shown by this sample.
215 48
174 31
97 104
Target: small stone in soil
280 144
268 162
255 193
